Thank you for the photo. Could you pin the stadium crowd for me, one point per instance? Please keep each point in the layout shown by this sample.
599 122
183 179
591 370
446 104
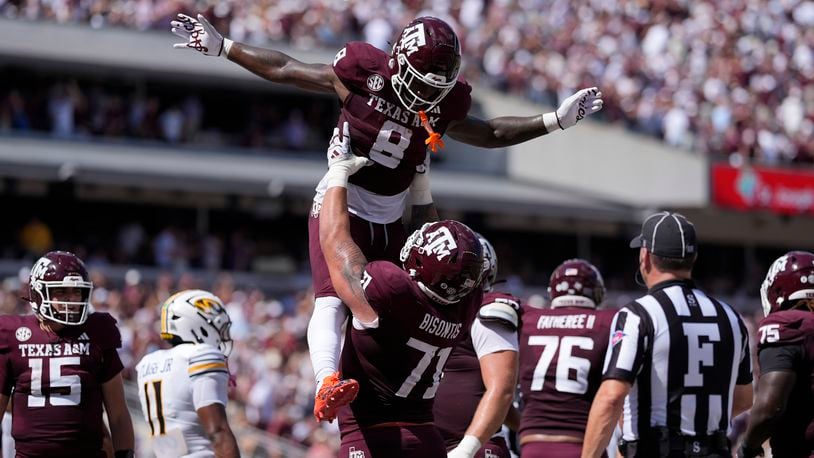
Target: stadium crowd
734 79
80 110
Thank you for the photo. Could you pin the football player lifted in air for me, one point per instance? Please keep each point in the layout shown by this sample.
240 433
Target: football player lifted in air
784 402
405 322
562 350
183 389
396 105
480 376
63 367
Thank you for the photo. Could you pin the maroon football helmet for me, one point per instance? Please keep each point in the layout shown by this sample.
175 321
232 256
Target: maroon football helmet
427 59
445 258
790 278
59 269
576 283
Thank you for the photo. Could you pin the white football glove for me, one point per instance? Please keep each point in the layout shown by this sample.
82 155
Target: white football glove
200 35
573 109
467 448
342 163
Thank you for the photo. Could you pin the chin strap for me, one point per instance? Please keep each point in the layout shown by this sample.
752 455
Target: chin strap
434 140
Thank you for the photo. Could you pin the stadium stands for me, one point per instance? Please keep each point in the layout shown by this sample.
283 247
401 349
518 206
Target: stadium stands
733 79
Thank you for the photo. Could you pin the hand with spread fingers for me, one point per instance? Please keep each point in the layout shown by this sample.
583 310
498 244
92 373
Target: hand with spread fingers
200 36
340 154
576 107
342 163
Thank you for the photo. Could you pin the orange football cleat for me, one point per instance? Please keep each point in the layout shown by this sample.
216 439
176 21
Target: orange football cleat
333 394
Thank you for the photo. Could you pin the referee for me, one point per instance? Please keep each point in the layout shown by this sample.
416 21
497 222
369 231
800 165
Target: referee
678 360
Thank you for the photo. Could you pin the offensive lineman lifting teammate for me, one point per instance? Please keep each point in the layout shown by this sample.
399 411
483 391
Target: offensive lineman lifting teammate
406 321
395 105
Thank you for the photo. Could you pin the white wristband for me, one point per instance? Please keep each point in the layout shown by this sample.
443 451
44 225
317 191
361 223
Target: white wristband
469 445
227 45
550 121
337 176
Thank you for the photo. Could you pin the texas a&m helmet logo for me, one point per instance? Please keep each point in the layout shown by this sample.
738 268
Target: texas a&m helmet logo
412 38
789 279
440 243
39 270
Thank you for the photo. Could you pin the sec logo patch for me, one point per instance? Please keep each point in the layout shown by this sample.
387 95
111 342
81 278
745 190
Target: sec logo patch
23 334
375 82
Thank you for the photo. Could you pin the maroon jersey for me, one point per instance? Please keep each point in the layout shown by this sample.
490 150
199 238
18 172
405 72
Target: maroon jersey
380 127
398 364
462 386
57 383
562 351
787 344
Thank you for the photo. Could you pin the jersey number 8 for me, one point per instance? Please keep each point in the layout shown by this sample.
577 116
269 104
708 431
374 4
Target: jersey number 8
392 141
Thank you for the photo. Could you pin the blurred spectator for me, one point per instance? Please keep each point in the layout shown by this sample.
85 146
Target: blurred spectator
63 104
172 124
295 131
168 252
131 239
36 238
13 115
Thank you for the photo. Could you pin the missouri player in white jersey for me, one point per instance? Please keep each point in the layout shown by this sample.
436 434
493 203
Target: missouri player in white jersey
183 389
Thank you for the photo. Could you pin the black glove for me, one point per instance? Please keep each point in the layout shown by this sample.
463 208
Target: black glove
125 454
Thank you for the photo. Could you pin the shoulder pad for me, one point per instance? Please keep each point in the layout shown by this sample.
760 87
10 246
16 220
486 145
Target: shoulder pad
102 326
386 276
785 327
459 101
205 359
355 62
8 329
502 311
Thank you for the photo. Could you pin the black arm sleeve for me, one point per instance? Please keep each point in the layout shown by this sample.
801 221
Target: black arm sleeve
785 358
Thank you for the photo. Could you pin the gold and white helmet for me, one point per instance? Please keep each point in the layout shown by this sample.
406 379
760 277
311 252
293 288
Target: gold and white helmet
198 317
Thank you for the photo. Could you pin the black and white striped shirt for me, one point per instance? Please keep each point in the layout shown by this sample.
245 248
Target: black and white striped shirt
683 352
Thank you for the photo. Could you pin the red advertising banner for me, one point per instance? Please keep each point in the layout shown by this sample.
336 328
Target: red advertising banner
778 190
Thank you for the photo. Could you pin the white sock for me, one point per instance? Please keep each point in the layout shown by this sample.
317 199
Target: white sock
325 336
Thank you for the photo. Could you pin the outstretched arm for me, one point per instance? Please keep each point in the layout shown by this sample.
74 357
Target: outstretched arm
511 130
346 263
281 68
199 35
